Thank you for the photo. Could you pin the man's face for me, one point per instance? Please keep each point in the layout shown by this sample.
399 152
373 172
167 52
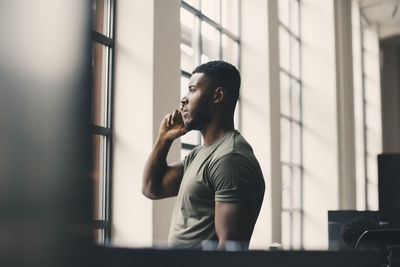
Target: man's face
196 103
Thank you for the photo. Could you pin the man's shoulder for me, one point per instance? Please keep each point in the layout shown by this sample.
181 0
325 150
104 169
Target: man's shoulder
234 147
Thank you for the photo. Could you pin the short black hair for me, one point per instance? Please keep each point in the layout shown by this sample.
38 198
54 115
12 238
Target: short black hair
222 74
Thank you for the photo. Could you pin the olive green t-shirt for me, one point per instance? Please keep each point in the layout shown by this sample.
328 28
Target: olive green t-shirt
225 170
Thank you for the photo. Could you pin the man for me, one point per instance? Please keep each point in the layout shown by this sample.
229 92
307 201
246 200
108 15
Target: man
220 186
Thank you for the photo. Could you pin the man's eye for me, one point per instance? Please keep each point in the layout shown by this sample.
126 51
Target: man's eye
191 89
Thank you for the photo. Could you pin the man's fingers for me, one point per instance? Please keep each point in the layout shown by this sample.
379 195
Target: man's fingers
167 119
174 116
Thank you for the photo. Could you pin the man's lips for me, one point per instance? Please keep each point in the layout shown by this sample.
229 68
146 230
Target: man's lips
184 112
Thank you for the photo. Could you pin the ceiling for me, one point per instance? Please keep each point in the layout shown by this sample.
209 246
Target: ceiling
384 13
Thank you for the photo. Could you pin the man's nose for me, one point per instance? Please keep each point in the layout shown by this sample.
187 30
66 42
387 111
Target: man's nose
184 101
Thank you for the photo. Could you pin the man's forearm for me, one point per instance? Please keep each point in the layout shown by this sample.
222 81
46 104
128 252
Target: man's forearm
155 168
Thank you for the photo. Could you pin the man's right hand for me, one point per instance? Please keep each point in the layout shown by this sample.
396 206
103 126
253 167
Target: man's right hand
172 126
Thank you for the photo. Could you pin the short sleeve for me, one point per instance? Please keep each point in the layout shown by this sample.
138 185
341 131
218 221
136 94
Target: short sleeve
234 179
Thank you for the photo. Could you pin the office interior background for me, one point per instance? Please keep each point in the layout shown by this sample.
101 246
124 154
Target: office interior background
319 100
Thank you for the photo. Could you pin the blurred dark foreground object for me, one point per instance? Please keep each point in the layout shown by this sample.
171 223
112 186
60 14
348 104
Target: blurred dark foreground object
385 241
45 145
378 239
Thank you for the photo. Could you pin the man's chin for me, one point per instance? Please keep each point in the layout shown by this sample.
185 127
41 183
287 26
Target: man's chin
190 126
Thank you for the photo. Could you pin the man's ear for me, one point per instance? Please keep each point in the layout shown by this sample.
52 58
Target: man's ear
219 95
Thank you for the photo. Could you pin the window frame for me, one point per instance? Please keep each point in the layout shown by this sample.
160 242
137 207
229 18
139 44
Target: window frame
290 164
106 131
197 13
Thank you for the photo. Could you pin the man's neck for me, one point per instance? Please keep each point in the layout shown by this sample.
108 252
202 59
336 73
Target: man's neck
216 129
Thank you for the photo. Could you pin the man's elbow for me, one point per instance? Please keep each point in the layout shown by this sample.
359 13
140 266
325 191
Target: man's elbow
150 193
147 192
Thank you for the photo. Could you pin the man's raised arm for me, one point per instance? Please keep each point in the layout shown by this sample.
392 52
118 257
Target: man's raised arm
161 180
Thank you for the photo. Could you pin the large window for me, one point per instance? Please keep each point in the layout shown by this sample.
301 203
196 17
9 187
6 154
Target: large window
291 123
367 107
209 31
102 63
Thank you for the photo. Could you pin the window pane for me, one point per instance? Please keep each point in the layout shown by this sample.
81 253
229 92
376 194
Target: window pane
285 140
283 7
373 198
230 50
193 3
210 8
184 86
296 100
296 230
230 15
286 229
98 175
100 82
101 17
295 57
284 49
210 42
297 187
286 187
236 116
285 94
294 16
188 40
296 143
98 236
191 138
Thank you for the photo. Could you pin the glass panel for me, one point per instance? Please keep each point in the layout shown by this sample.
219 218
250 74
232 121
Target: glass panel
193 3
188 41
296 187
372 167
230 15
296 232
210 8
373 199
285 94
294 16
286 230
285 140
296 143
284 48
184 86
210 42
101 15
296 100
191 138
98 175
98 236
286 187
236 118
295 57
283 7
100 82
230 50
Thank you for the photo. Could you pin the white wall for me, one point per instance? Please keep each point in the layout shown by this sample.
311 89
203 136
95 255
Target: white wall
146 87
319 118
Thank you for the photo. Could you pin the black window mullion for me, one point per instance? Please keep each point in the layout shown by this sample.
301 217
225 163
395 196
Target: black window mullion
100 224
186 74
101 38
101 130
105 190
